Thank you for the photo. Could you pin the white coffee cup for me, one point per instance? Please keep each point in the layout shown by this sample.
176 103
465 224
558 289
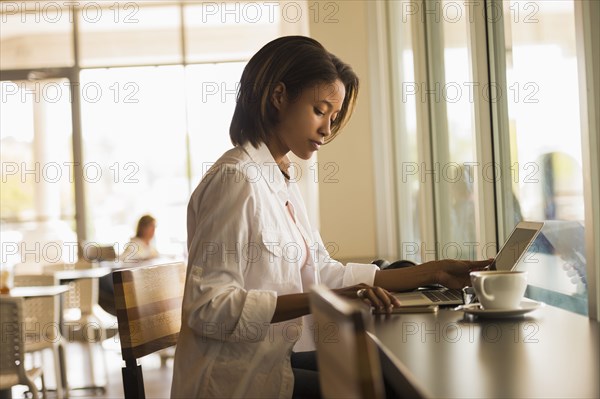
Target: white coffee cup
499 289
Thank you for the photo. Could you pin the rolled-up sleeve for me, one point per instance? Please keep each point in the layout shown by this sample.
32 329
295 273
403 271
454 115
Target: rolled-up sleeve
357 273
335 275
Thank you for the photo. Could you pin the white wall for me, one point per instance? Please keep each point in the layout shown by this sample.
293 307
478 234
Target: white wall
347 206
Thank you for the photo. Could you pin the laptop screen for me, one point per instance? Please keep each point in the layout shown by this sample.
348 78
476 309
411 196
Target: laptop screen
518 242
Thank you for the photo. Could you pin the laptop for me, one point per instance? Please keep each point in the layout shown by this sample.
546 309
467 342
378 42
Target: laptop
507 259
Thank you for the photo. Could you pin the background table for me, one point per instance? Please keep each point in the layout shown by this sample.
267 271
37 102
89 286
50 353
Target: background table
38 291
547 353
80 274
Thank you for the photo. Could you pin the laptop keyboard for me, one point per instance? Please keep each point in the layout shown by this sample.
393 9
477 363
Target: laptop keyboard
445 295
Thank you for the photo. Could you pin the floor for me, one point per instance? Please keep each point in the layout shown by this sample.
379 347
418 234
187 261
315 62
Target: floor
157 379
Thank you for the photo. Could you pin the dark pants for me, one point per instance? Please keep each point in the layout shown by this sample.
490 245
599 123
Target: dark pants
306 375
106 295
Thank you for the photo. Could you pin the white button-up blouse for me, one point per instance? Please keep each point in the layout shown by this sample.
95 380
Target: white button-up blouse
245 249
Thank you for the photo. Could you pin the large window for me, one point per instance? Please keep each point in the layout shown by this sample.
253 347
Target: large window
37 196
501 94
129 101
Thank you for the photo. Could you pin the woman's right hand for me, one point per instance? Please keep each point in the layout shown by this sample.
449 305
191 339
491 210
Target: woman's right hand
373 296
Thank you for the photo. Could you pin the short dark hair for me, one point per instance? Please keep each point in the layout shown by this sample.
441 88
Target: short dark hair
298 62
142 224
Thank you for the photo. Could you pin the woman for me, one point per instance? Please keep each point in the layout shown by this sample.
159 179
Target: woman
141 247
252 254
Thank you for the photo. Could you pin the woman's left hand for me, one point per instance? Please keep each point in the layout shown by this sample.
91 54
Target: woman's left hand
454 273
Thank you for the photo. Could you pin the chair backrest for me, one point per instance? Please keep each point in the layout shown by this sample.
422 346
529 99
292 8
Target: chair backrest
348 360
148 303
11 342
41 315
82 294
99 253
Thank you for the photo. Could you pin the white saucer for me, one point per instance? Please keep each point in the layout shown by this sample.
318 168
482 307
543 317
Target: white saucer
476 309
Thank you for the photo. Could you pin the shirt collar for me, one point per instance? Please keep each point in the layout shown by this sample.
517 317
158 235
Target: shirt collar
270 171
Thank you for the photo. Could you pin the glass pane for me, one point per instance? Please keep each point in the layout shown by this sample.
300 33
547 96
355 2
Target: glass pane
545 144
134 139
236 30
407 150
35 34
454 138
37 206
211 101
129 33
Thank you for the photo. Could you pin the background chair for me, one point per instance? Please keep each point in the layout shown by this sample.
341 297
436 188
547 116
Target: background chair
148 302
98 253
83 320
80 307
12 361
42 326
348 360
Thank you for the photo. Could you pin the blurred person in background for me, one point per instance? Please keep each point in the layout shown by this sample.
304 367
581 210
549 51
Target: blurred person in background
141 247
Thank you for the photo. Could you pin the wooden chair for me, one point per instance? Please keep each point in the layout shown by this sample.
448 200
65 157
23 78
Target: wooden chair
12 347
148 304
83 320
347 358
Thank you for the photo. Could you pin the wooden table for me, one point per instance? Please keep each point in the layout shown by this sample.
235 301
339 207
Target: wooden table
547 353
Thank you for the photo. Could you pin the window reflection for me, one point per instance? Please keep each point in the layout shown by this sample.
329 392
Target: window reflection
406 143
545 144
40 37
127 34
212 90
229 31
455 139
37 208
